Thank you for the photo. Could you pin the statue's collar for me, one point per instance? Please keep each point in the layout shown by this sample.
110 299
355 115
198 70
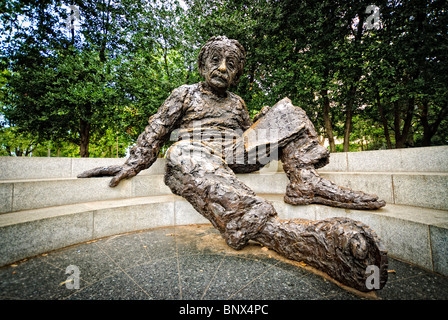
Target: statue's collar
205 88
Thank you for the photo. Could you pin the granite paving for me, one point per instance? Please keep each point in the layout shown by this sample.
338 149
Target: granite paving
192 263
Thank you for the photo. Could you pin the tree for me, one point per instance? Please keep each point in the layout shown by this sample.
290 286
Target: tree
62 97
107 75
87 81
407 71
13 143
54 89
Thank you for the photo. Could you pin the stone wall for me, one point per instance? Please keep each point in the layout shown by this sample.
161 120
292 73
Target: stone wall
43 206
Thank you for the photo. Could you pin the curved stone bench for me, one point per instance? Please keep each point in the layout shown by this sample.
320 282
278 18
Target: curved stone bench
44 207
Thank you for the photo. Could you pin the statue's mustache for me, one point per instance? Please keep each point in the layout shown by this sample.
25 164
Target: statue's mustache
219 74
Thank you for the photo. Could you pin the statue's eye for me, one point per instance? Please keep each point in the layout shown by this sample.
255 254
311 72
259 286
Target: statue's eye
231 64
215 59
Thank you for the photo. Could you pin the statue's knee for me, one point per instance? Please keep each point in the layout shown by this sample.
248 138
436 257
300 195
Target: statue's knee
177 150
236 239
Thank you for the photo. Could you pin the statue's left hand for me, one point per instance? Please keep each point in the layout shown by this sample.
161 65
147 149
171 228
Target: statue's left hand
118 172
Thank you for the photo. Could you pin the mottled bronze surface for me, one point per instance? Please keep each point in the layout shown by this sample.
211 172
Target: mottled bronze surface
216 139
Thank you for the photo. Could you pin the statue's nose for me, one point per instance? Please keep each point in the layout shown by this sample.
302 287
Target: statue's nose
222 66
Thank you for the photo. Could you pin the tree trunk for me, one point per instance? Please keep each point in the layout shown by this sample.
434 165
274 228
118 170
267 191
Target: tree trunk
348 119
425 123
352 91
327 120
383 120
401 136
430 130
408 119
165 59
85 138
397 121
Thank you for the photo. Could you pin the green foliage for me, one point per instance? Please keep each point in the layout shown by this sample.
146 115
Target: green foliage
107 75
316 51
98 83
13 143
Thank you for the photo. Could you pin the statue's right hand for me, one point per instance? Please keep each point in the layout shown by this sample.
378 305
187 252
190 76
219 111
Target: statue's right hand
118 172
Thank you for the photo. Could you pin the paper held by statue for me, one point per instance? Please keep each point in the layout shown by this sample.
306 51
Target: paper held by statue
276 128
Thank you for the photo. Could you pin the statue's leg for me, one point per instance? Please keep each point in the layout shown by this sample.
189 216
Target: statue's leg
300 158
343 248
199 174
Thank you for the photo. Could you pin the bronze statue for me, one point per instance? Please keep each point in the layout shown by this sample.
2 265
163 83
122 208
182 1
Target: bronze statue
216 139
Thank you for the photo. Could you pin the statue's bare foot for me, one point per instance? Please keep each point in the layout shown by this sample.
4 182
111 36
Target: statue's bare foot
341 247
312 188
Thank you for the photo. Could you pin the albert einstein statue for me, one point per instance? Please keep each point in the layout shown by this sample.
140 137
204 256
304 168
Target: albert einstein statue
216 139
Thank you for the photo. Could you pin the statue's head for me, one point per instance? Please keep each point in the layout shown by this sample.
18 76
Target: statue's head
221 62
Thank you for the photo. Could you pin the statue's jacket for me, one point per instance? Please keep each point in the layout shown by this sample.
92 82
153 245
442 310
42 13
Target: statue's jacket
191 112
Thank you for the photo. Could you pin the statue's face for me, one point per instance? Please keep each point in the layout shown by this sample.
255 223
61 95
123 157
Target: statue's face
221 66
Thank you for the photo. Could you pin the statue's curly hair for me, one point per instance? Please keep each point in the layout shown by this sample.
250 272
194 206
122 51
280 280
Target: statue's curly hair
203 54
